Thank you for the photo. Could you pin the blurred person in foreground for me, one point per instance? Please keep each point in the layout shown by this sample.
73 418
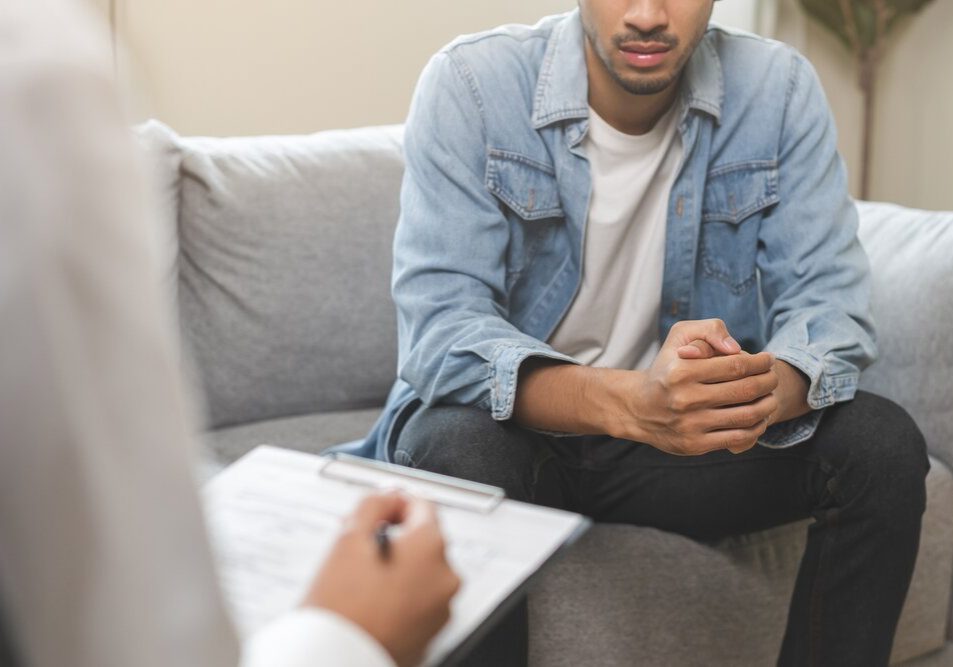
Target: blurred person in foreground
103 556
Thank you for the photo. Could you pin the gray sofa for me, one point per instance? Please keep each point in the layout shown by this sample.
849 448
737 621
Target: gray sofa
282 253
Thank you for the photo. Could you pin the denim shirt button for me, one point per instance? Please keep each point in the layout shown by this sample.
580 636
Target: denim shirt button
680 206
674 308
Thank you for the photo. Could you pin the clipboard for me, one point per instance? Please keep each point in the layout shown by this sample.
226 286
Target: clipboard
274 513
438 489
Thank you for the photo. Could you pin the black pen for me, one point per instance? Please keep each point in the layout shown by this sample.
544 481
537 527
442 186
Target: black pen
382 537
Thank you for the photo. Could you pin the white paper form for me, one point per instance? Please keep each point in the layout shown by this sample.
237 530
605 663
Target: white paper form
273 517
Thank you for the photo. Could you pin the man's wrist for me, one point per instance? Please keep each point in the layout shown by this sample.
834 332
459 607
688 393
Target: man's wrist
575 399
620 394
792 390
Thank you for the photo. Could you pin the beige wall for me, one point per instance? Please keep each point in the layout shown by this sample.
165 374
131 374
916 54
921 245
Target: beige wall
913 133
253 66
225 67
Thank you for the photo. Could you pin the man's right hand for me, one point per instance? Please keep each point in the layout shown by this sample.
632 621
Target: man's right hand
694 406
402 600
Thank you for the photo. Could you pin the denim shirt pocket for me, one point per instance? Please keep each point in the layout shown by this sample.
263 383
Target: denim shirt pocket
529 194
526 186
735 200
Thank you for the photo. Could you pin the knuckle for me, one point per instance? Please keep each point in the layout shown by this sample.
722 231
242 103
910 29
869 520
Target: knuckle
737 366
745 417
738 395
677 375
678 403
750 390
681 424
736 442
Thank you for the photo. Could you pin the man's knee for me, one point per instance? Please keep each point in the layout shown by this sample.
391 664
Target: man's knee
468 443
890 453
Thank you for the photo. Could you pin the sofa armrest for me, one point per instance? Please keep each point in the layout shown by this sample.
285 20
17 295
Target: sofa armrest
911 255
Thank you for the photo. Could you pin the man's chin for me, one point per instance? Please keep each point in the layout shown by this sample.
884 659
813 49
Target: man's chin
644 84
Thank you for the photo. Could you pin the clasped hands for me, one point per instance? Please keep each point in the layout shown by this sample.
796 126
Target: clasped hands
703 393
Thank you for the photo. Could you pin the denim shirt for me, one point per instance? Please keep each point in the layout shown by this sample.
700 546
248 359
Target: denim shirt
488 251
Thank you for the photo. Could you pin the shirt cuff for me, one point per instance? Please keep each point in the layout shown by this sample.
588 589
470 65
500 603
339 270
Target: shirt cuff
824 390
505 368
308 637
791 432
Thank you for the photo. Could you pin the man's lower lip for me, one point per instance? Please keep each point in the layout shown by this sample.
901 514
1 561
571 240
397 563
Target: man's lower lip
645 60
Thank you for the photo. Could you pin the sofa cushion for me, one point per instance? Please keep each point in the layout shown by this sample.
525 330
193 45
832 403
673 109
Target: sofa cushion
911 255
284 271
307 433
638 596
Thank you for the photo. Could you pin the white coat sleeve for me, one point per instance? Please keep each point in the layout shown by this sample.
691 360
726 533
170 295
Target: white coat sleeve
313 638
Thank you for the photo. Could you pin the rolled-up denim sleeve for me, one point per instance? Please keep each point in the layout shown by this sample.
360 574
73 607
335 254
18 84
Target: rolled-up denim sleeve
815 277
449 281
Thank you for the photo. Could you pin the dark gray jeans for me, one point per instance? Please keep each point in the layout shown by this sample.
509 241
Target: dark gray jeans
861 477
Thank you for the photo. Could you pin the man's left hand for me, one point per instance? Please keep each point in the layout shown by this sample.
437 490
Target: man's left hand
791 392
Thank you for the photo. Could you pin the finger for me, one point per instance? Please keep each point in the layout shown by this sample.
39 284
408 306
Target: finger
733 440
739 416
734 367
714 332
734 392
742 450
697 349
377 509
420 513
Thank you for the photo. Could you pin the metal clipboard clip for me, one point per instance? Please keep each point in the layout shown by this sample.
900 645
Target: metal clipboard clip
440 489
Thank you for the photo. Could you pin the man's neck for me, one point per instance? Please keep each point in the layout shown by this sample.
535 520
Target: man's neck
628 113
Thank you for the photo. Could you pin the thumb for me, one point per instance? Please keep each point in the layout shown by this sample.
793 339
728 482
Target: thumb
714 332
697 349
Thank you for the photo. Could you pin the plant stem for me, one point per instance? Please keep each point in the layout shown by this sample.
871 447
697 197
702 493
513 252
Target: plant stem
868 85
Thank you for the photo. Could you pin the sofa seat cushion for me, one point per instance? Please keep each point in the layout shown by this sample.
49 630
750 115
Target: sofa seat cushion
638 596
307 433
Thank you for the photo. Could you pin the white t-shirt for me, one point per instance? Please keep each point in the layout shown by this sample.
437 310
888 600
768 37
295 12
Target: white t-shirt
613 320
104 560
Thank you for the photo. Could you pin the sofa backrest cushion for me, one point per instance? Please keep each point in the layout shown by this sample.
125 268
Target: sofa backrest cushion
911 256
284 270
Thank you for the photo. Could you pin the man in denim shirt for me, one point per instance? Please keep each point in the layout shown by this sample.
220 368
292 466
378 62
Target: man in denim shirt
626 256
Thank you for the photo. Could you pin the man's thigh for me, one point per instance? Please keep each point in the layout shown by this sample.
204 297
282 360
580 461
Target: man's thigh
868 445
468 443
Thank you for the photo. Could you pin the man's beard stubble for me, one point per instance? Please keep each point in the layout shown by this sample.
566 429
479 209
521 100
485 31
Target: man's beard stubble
642 85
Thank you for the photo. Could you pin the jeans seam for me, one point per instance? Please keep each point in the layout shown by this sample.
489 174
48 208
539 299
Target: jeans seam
609 467
817 594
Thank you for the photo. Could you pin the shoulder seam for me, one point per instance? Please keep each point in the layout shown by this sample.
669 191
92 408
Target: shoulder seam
465 73
481 37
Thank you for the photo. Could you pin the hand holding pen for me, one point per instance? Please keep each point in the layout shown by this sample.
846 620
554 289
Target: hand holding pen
372 573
